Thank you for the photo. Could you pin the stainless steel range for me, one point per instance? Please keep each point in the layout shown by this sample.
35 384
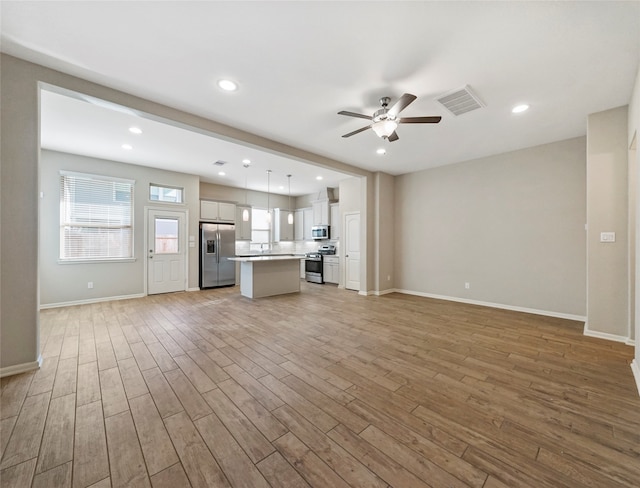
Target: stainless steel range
313 268
313 264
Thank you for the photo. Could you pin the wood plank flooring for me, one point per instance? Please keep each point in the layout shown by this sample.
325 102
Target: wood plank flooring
323 389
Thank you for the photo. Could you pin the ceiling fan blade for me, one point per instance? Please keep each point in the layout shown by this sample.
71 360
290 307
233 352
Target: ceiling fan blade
402 103
420 120
353 114
356 131
393 136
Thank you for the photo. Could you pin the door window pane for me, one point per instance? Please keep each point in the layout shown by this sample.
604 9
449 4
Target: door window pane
167 241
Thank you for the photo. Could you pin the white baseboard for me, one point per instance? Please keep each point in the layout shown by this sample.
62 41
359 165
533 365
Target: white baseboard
635 368
604 335
90 300
383 292
363 293
193 289
546 313
20 368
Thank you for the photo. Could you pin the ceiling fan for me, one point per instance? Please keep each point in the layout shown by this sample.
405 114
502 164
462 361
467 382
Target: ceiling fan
386 120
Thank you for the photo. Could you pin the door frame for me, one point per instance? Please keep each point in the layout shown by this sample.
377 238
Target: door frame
184 242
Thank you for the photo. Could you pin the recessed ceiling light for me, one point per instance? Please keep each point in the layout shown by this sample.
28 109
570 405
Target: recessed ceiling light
135 130
381 151
128 147
520 108
221 173
246 161
228 85
318 178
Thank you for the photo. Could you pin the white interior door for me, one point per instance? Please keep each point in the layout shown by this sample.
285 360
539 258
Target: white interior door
166 251
351 237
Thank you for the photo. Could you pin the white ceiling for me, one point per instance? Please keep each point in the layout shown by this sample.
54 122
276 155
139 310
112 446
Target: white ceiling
299 63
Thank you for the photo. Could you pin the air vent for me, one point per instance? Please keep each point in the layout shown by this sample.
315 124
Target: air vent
460 101
219 163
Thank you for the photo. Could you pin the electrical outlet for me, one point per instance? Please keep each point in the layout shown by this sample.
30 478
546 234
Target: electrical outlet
90 284
388 277
607 237
467 285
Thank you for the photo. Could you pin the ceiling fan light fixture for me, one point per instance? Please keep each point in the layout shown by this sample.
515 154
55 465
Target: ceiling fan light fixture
384 128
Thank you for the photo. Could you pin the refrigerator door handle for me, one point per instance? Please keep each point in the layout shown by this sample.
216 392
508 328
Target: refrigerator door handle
218 241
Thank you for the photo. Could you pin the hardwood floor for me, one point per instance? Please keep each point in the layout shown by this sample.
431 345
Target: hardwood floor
324 388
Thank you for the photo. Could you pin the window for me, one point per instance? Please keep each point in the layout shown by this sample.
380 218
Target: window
259 225
96 217
166 236
169 194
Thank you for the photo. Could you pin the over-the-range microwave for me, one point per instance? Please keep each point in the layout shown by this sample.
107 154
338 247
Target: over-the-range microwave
320 232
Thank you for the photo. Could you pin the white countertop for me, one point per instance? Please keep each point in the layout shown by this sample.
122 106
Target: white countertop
250 259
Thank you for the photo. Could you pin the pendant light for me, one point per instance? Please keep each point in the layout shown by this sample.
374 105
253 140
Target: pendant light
290 216
245 211
268 194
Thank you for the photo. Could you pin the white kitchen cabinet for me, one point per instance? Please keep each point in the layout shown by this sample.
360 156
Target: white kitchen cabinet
308 223
302 269
331 269
321 212
217 211
336 223
298 225
243 228
282 229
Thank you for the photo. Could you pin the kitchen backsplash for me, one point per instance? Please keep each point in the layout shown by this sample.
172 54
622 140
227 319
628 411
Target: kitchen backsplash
297 247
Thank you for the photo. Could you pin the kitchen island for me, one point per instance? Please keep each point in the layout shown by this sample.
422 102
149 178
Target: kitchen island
265 276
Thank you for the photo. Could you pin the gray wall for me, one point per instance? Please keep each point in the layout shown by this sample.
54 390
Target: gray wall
385 232
109 279
633 127
512 225
607 204
19 148
238 195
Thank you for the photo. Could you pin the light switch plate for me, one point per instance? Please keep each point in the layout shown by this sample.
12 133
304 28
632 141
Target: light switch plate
607 237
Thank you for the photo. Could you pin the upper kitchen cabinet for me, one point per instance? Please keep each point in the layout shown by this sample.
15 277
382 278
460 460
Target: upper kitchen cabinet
303 222
336 222
217 211
282 229
243 227
308 224
321 212
298 225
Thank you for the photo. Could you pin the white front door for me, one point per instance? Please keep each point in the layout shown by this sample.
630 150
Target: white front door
166 251
351 232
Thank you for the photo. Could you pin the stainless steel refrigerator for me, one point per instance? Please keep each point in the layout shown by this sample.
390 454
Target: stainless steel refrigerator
217 245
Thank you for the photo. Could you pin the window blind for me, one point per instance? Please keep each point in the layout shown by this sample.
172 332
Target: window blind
96 217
